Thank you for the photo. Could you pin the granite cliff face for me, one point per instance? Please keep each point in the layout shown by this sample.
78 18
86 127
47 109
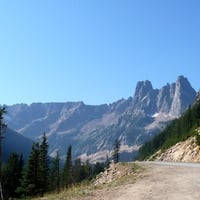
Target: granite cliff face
171 99
91 130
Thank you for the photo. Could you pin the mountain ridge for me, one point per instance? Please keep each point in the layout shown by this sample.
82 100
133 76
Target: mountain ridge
92 129
9 144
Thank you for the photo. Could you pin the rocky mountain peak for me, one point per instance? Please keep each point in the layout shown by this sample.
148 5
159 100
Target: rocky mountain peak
142 88
183 93
171 99
143 99
183 84
182 79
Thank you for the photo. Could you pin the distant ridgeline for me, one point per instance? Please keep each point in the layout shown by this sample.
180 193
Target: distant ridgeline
179 130
92 129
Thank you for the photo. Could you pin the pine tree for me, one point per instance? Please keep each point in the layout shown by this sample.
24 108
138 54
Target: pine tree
67 176
54 175
77 170
12 174
43 165
107 162
116 150
2 129
30 180
97 168
86 171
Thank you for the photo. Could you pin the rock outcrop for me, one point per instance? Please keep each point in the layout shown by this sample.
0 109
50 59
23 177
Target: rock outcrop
114 172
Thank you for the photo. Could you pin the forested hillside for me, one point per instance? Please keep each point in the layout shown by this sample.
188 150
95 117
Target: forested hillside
42 174
179 130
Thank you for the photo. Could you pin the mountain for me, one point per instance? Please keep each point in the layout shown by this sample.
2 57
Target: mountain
170 141
14 142
92 130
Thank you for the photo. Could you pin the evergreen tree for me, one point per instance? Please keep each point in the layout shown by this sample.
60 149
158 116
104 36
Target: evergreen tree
12 174
97 168
2 129
116 150
77 170
35 177
54 175
198 138
67 176
107 162
43 165
30 180
86 171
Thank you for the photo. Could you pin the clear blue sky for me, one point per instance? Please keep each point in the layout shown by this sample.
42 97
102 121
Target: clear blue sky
95 50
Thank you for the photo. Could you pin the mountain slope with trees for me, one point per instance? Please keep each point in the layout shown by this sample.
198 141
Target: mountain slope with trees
41 174
179 130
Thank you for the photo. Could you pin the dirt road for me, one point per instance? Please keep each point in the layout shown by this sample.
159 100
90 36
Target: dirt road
160 182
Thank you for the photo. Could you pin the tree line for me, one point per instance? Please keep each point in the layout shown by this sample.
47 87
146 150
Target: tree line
42 174
178 130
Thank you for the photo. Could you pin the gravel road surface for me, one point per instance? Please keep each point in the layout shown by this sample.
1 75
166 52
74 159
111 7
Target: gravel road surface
161 181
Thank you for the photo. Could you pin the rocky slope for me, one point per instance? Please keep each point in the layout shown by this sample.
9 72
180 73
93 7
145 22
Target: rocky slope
115 172
187 151
91 130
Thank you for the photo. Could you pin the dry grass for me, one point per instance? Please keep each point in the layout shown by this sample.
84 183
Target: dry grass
74 193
